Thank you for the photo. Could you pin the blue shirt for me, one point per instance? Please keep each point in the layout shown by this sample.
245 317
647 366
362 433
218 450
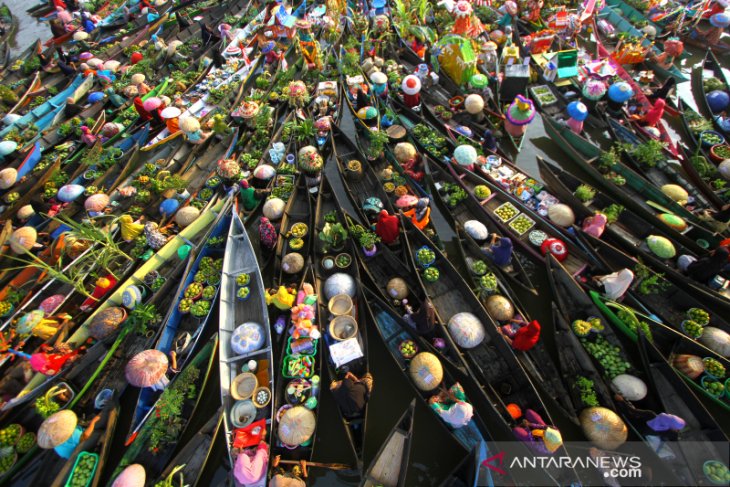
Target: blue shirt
66 449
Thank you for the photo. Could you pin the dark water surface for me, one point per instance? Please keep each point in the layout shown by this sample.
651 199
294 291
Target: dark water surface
434 453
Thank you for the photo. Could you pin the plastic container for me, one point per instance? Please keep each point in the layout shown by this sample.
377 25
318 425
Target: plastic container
709 463
80 457
302 346
687 333
425 264
290 358
707 378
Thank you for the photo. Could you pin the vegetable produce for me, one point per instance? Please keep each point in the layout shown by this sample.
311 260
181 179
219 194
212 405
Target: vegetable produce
200 309
7 458
243 279
193 290
431 274
425 256
5 308
713 367
10 435
262 397
83 471
522 224
587 391
25 443
479 267
296 243
607 355
243 292
637 326
585 193
692 328
717 472
698 315
596 324
488 281
713 387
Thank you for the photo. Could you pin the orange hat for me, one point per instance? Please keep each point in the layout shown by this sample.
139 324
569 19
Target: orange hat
514 411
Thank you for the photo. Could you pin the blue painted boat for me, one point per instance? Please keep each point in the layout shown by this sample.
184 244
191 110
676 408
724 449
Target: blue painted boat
180 331
51 106
31 160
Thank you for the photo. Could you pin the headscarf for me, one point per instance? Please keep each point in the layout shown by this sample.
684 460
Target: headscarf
488 141
86 136
139 106
267 233
666 422
63 15
617 283
709 266
387 227
502 252
654 115
421 208
225 32
172 125
526 337
684 261
425 318
595 225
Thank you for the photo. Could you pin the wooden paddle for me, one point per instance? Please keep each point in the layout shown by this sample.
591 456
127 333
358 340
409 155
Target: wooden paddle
331 466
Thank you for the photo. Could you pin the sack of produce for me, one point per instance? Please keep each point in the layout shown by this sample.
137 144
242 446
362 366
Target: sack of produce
629 386
717 340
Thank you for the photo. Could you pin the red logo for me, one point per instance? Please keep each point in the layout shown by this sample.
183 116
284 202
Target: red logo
496 466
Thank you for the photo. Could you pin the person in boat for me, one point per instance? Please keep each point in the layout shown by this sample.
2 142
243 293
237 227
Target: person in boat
66 449
271 55
615 284
499 250
489 142
251 465
352 394
372 208
208 35
267 235
15 381
387 227
534 432
705 268
420 215
57 28
67 68
144 115
522 337
595 225
87 137
652 117
452 406
86 23
250 196
423 320
72 108
103 286
418 47
294 478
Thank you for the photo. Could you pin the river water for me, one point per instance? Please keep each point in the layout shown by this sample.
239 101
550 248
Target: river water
434 453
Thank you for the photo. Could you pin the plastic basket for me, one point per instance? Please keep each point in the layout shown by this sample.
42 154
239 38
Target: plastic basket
704 470
289 352
285 367
80 457
705 379
425 265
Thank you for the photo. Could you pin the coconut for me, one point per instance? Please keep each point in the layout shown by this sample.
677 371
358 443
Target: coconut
632 388
474 104
57 429
466 330
662 247
292 263
8 177
500 308
717 340
274 208
189 124
132 476
340 283
676 193
690 365
106 322
476 230
561 215
187 215
603 427
724 169
404 152
23 239
426 371
397 288
673 221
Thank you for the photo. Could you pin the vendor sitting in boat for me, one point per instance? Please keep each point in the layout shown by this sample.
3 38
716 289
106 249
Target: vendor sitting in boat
294 478
534 432
423 320
522 336
499 250
387 227
352 394
420 214
452 406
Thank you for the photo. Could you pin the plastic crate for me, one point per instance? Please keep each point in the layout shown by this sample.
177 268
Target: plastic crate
80 457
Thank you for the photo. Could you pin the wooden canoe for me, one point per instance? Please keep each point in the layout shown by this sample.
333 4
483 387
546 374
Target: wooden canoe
390 465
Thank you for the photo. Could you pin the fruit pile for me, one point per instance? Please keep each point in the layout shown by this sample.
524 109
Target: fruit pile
408 349
194 290
425 256
699 316
243 292
522 224
200 309
84 470
596 324
506 212
184 305
296 243
714 387
692 328
25 443
488 281
482 192
5 308
713 367
10 435
581 328
299 229
7 458
209 292
479 267
717 472
609 356
431 274
243 279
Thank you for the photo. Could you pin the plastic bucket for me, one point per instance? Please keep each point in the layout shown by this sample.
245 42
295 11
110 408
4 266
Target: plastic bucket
340 305
343 328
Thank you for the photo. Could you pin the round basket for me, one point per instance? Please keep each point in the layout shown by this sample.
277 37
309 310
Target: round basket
687 333
425 265
340 305
343 328
256 393
710 374
707 378
713 463
243 386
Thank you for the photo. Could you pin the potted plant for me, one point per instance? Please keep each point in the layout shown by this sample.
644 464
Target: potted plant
367 241
333 236
585 193
378 140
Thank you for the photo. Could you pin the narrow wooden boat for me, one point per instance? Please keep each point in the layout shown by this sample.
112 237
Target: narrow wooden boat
625 185
298 215
149 449
710 68
390 465
188 464
328 214
667 341
34 85
181 331
576 305
441 183
492 362
241 259
470 472
691 38
363 82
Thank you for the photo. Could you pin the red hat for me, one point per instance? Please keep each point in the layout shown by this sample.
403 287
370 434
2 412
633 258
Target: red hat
136 57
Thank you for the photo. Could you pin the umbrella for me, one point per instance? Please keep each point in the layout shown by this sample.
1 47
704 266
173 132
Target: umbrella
170 112
70 192
112 65
406 201
465 155
268 47
95 62
151 103
25 212
620 92
426 371
95 96
577 111
379 78
189 124
147 369
85 56
594 89
297 426
720 20
138 78
57 429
